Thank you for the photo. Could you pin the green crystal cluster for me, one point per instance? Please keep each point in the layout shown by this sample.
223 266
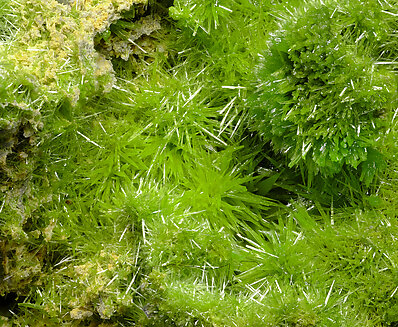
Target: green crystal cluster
198 163
325 94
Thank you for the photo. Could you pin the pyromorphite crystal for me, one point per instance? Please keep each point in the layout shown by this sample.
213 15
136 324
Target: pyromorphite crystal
322 97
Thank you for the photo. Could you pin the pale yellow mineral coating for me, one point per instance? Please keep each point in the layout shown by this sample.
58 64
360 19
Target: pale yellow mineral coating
80 313
96 274
55 44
